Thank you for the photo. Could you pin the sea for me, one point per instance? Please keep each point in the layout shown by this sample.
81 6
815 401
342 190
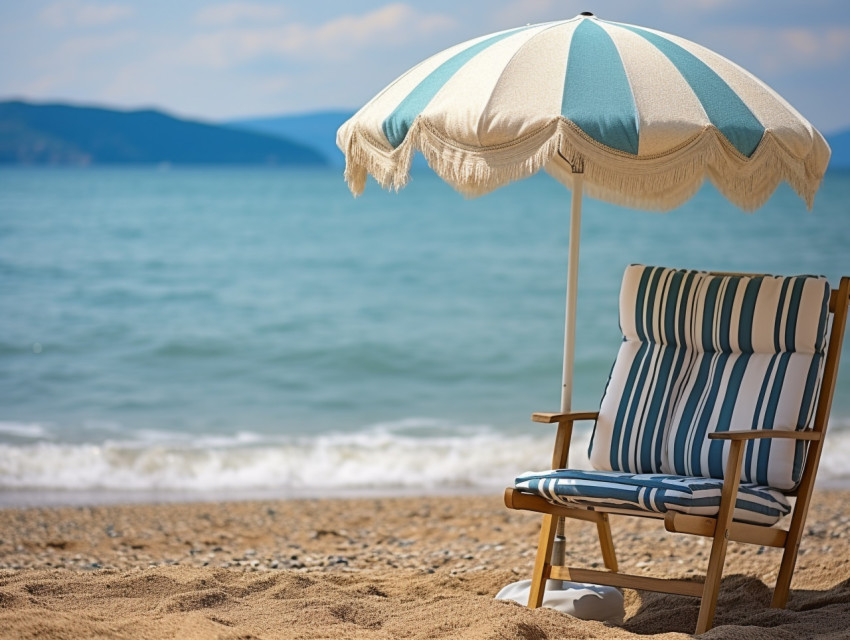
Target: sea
227 333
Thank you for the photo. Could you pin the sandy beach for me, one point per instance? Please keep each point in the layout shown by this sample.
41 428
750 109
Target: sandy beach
423 567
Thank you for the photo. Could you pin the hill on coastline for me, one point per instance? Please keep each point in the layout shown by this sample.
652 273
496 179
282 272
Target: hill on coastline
69 135
840 144
317 130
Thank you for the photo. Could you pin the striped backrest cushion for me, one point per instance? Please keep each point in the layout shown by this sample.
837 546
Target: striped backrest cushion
635 412
716 313
647 375
704 353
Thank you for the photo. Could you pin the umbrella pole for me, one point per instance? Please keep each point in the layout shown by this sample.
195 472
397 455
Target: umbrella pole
559 545
572 291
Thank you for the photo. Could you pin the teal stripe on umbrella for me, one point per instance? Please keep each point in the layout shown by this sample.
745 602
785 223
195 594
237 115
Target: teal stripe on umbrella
398 123
597 95
722 105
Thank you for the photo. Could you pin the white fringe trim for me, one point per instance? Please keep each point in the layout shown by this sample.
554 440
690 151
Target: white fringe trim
658 183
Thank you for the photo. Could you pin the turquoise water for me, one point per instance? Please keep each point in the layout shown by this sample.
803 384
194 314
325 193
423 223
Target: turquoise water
261 329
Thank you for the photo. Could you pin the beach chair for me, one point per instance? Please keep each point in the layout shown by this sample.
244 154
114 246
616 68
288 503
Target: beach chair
713 416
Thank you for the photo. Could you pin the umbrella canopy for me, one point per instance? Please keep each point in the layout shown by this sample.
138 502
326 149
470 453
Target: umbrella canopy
645 117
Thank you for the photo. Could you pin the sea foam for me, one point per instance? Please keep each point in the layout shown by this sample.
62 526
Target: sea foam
389 458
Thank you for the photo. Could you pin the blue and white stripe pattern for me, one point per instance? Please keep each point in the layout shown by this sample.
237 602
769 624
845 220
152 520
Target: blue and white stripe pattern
651 492
704 353
646 116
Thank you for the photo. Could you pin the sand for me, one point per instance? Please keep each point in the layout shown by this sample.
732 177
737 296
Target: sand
378 568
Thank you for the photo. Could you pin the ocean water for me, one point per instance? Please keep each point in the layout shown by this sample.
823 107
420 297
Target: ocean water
247 332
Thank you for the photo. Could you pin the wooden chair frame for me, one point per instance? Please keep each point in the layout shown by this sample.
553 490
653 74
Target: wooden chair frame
721 528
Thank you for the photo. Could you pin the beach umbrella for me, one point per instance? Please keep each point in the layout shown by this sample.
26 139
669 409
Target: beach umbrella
627 114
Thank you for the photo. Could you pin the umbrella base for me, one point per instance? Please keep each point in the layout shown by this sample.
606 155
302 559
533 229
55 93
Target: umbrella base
580 600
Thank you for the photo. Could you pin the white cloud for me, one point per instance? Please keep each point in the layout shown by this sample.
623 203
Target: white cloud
226 71
74 13
783 50
43 85
233 12
73 62
73 50
390 26
521 12
275 85
700 5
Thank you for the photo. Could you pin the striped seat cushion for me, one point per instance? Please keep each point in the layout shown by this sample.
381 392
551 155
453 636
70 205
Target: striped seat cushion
704 353
653 492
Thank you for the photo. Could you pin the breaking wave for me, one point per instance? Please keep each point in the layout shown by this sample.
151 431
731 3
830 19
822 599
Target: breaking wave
400 457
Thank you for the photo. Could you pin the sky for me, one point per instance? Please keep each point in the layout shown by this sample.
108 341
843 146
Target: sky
217 61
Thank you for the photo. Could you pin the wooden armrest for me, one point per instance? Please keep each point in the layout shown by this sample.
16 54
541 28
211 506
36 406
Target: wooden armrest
758 434
573 416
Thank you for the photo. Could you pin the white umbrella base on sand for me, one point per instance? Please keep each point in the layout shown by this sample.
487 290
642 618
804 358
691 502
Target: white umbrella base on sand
580 600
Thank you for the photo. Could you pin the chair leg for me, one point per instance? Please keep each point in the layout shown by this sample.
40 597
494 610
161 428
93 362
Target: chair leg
789 556
728 498
712 582
783 581
542 564
795 533
603 527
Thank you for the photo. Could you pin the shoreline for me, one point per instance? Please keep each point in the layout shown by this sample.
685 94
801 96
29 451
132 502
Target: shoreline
57 499
11 499
385 567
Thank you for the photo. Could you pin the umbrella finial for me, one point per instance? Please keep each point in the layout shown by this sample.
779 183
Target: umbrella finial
587 13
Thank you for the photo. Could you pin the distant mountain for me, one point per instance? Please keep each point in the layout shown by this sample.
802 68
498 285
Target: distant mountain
840 144
63 134
317 130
